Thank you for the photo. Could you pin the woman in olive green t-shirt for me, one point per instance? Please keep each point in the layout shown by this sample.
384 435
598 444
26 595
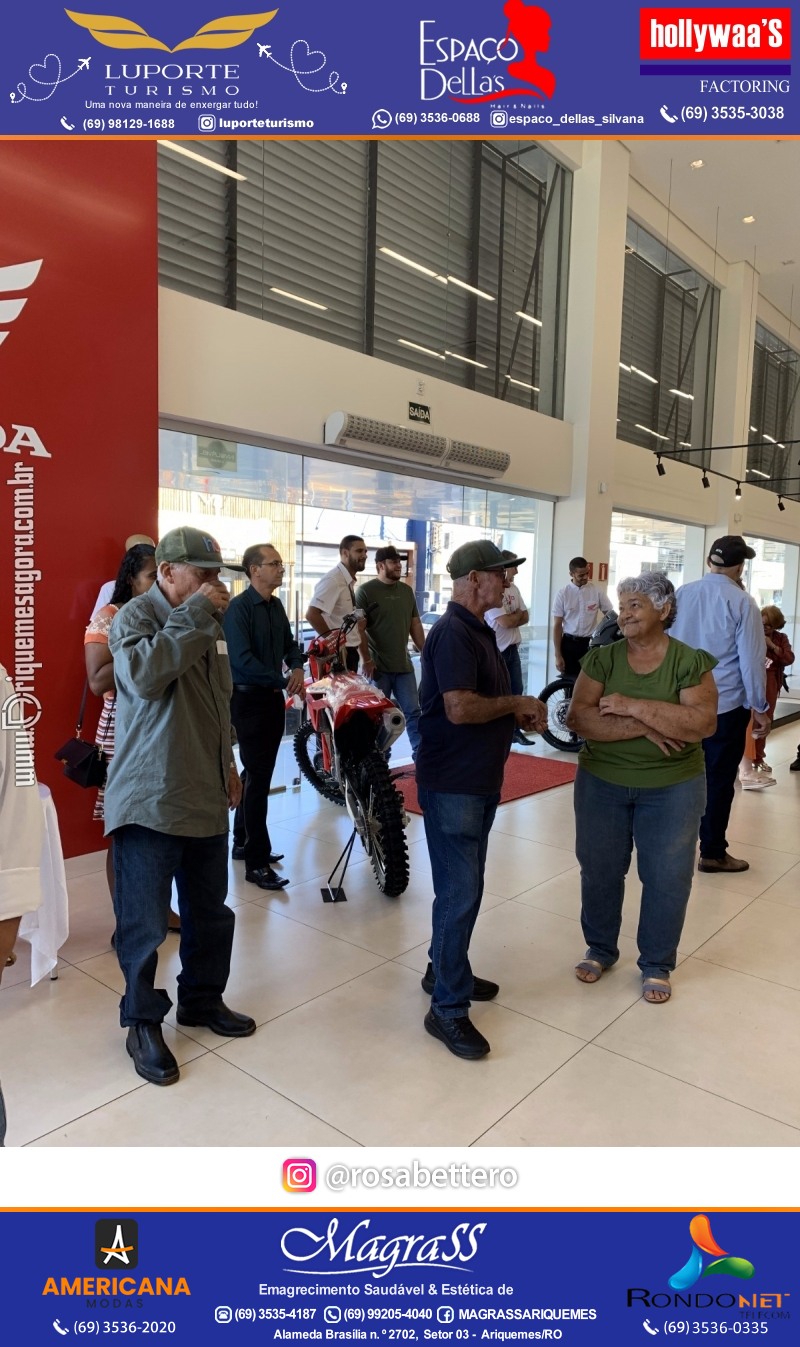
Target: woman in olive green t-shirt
643 706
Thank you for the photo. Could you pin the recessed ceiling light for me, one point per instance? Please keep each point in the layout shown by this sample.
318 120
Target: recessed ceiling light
748 219
696 163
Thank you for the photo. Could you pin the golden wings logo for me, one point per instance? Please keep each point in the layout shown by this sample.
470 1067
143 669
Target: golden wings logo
112 31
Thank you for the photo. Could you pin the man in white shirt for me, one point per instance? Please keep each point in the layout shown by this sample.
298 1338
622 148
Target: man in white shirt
575 611
107 589
507 623
334 597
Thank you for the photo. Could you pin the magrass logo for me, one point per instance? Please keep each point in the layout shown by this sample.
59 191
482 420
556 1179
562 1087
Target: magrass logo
116 1243
113 31
694 1268
12 280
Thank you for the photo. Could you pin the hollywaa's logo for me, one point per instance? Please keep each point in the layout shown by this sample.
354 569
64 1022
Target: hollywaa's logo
694 1268
457 65
112 31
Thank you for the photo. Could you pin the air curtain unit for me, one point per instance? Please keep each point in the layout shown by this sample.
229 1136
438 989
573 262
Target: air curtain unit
363 433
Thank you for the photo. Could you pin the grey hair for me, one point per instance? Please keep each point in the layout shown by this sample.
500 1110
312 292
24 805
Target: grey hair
656 586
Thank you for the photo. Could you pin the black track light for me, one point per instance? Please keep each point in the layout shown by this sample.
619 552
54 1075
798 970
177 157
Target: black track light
660 469
738 492
781 505
705 480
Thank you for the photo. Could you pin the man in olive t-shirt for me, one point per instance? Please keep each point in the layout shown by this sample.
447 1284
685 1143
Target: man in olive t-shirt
390 624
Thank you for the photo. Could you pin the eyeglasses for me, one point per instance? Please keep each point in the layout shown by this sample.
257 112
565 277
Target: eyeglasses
279 564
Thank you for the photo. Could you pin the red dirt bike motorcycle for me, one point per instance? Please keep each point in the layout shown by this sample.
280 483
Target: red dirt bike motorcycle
340 750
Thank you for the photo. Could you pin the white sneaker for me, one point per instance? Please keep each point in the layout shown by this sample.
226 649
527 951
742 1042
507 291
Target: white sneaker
757 782
765 767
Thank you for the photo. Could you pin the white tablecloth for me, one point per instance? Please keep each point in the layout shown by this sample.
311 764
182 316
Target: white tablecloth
47 928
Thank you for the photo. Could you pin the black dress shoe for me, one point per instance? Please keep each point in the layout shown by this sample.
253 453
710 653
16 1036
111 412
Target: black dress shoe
219 1019
459 1035
151 1056
482 989
524 739
265 878
237 854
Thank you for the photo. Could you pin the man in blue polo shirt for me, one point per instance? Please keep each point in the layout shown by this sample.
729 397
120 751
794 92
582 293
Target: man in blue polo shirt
466 727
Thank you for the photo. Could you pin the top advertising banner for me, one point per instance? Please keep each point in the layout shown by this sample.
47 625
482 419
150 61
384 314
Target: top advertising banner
438 68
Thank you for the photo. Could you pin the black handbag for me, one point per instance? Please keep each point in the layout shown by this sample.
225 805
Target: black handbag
84 763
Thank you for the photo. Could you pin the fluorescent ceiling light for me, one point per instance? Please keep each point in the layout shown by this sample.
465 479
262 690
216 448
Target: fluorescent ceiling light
401 341
454 280
696 163
626 368
201 159
684 444
679 394
520 384
757 473
407 262
299 299
642 375
765 436
754 429
528 318
455 356
748 219
648 431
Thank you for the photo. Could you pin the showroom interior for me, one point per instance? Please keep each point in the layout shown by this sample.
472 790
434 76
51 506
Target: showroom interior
566 346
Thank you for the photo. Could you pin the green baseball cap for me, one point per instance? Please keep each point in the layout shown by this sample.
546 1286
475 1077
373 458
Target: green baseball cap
194 548
480 556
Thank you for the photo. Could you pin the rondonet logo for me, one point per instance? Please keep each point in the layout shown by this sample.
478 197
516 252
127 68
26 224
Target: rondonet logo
112 31
719 34
474 68
359 1251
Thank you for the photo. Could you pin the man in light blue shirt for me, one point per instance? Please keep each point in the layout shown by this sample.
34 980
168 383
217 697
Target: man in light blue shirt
717 615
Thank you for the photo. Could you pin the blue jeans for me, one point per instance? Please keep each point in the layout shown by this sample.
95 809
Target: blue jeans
514 666
723 751
402 688
145 864
662 822
457 831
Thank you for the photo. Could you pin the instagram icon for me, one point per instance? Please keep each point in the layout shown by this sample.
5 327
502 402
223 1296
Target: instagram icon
299 1176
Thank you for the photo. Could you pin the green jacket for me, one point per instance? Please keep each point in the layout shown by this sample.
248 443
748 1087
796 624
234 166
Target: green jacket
172 749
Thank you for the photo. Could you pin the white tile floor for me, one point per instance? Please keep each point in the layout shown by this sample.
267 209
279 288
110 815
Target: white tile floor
340 1056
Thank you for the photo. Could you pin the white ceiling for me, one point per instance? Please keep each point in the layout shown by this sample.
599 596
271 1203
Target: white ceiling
741 177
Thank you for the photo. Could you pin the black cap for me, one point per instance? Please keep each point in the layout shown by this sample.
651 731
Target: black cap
387 554
731 550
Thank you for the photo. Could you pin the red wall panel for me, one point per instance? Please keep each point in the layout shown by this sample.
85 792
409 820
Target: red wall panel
79 366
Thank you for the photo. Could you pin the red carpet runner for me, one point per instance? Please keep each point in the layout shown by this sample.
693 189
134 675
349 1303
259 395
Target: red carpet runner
525 775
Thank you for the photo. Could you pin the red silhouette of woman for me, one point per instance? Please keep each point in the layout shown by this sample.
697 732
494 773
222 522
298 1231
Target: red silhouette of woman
529 26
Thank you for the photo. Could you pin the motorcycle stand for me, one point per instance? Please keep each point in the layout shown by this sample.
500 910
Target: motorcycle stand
335 893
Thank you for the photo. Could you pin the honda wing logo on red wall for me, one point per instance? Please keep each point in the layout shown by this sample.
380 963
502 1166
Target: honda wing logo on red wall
12 280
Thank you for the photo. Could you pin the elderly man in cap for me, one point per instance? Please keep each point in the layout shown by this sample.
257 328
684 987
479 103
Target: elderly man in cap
716 614
468 719
392 620
170 785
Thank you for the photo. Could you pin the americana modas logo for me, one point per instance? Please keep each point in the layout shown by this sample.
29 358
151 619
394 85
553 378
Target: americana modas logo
696 1266
113 31
116 1243
12 280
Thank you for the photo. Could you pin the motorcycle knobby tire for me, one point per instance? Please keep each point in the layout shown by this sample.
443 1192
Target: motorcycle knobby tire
382 811
319 779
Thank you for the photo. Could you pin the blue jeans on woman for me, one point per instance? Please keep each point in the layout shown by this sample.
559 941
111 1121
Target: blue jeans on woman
145 864
457 831
662 823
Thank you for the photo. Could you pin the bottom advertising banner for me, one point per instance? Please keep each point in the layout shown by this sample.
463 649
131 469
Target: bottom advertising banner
449 1277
